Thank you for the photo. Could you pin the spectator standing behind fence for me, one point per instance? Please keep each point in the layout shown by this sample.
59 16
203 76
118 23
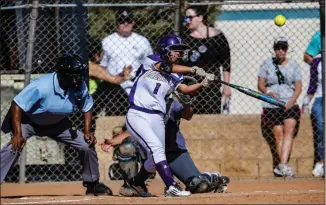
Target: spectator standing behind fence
313 49
281 78
315 89
98 76
42 108
210 50
123 48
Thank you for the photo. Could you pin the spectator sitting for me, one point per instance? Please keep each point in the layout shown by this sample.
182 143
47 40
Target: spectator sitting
281 78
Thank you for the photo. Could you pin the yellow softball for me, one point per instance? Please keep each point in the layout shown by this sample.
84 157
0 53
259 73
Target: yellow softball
280 20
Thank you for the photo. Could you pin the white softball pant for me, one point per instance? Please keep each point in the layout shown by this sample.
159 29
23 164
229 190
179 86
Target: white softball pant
149 130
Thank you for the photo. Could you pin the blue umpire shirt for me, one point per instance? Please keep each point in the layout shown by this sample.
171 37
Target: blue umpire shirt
45 103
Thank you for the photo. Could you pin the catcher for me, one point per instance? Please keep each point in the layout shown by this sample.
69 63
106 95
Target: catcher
129 153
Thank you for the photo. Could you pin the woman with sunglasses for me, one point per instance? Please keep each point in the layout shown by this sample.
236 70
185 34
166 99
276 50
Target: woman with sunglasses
209 50
281 78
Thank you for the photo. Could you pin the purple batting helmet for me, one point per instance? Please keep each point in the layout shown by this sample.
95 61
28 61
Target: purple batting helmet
169 43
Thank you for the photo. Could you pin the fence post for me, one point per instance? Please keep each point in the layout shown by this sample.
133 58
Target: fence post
20 35
322 36
57 26
28 70
177 17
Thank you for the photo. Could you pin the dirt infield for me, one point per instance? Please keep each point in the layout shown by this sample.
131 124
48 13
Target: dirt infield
279 191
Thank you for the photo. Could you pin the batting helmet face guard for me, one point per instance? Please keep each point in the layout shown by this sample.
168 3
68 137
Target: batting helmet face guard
186 98
169 43
72 71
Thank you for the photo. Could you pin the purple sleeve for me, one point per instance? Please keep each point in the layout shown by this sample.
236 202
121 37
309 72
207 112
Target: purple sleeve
313 76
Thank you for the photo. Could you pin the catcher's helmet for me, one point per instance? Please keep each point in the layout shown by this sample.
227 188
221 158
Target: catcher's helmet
186 98
72 70
169 43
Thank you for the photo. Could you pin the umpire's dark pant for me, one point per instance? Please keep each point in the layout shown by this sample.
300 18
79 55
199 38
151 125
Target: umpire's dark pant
61 132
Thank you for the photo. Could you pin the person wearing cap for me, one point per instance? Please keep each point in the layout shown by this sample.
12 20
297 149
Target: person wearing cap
124 48
281 78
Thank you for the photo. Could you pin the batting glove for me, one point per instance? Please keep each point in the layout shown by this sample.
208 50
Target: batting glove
210 76
206 82
198 71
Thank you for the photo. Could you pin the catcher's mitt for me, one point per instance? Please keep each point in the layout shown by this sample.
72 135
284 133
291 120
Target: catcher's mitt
186 98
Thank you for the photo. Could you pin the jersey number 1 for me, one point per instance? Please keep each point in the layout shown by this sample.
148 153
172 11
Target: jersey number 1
158 85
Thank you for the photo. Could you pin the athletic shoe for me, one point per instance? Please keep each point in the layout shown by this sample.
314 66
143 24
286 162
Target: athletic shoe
221 183
175 190
217 181
126 190
132 190
222 180
97 189
318 171
221 189
284 170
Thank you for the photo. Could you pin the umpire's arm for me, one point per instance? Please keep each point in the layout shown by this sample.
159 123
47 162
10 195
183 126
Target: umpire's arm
88 121
86 108
16 113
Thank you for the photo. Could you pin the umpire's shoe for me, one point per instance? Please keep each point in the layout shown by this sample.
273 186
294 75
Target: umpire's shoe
96 188
130 189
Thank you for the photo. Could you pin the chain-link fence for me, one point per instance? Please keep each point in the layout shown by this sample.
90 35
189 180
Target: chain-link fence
232 39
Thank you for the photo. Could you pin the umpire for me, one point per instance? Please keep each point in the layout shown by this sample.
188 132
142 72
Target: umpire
42 108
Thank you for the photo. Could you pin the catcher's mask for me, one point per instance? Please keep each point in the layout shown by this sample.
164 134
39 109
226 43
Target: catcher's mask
186 98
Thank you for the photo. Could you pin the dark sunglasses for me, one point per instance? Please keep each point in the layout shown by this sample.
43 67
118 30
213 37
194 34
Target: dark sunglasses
189 18
123 21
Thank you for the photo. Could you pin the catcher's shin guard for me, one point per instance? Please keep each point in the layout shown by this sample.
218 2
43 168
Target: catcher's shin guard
127 153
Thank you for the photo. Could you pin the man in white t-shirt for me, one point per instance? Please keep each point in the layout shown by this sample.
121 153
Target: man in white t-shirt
124 47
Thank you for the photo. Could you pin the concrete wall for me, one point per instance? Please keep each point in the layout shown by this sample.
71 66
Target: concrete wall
230 144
